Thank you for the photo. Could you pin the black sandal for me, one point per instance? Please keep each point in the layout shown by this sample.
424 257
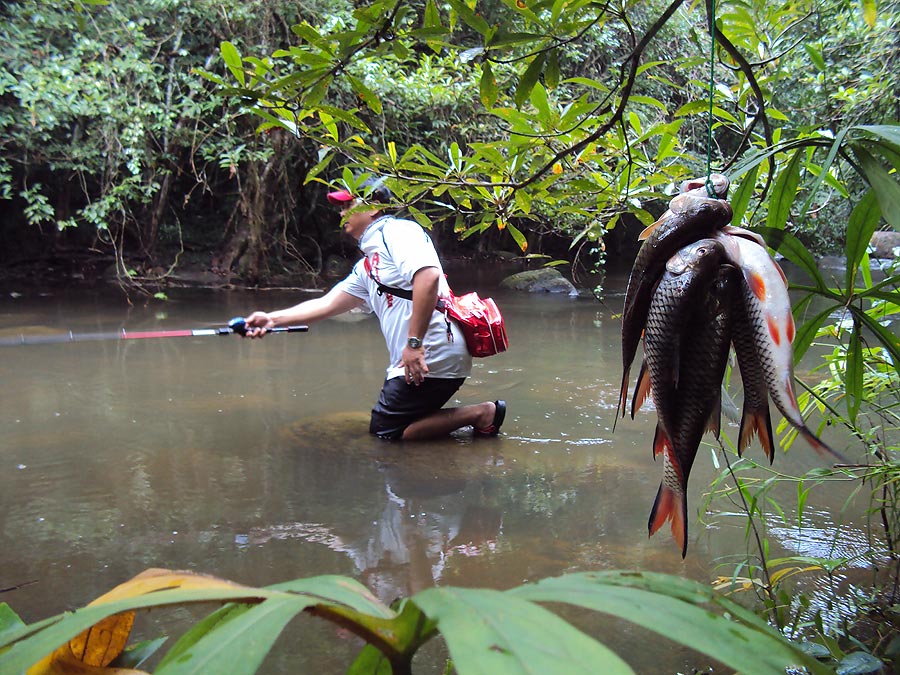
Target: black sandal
499 416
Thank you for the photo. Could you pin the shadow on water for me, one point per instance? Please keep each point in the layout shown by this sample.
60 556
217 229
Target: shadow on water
251 460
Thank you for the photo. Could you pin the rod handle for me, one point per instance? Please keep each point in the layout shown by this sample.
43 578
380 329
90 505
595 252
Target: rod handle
239 325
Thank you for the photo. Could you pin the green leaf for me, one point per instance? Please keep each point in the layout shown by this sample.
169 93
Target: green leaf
371 661
9 621
794 250
675 608
541 103
551 73
233 60
518 237
469 17
135 655
340 591
815 55
742 195
782 197
861 225
853 376
369 97
885 336
487 86
494 633
806 332
238 642
886 188
528 79
34 641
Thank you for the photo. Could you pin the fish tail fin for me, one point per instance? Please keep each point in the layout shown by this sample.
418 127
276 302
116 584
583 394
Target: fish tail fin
757 423
668 506
641 389
821 446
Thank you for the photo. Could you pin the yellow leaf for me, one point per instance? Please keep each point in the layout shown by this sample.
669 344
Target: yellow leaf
53 665
91 651
557 168
100 644
156 579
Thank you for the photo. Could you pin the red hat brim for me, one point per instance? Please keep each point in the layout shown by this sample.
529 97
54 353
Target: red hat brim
340 197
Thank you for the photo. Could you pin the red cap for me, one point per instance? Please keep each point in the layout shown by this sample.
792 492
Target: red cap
340 197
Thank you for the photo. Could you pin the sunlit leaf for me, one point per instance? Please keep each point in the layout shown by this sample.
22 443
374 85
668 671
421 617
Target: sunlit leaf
870 15
233 60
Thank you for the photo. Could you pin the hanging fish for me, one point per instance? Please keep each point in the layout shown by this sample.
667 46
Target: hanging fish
687 277
697 401
691 216
755 417
768 308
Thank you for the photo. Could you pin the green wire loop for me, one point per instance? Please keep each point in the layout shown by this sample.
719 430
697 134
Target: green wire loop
712 62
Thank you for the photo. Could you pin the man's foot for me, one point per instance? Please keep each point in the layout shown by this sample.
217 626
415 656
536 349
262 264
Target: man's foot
494 427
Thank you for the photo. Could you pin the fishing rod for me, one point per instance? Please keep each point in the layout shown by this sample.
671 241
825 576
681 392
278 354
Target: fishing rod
237 326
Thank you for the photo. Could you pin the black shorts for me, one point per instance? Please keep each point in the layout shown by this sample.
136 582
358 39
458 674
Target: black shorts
400 404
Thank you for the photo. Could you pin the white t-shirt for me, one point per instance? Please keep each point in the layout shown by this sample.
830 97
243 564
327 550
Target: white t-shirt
395 249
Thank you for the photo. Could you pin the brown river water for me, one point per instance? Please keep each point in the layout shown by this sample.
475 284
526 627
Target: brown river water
251 461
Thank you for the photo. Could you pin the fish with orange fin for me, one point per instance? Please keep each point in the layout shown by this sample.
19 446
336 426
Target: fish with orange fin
703 358
691 216
768 310
755 417
688 276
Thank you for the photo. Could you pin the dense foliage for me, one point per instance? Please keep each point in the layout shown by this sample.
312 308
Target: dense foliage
544 122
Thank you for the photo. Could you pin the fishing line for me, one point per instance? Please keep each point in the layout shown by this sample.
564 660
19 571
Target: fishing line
712 62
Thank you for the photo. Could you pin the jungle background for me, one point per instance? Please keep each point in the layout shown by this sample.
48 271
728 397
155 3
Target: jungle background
127 145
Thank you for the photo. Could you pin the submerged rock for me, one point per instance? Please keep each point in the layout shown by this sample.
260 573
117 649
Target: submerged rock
544 280
885 245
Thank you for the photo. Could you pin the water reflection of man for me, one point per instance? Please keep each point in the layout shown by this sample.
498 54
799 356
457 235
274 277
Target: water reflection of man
428 356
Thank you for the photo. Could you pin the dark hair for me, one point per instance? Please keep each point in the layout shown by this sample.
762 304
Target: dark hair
373 189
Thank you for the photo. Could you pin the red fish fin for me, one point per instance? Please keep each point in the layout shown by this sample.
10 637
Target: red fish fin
661 442
821 447
668 506
760 425
641 389
647 231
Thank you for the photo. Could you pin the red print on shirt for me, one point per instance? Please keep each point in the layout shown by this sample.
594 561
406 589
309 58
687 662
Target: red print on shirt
372 271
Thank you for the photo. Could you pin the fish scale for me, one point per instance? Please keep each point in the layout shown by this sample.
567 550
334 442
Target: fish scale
768 308
755 416
703 358
691 216
689 273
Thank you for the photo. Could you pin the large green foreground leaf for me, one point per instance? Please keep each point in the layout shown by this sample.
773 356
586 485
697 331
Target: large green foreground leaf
678 609
494 633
